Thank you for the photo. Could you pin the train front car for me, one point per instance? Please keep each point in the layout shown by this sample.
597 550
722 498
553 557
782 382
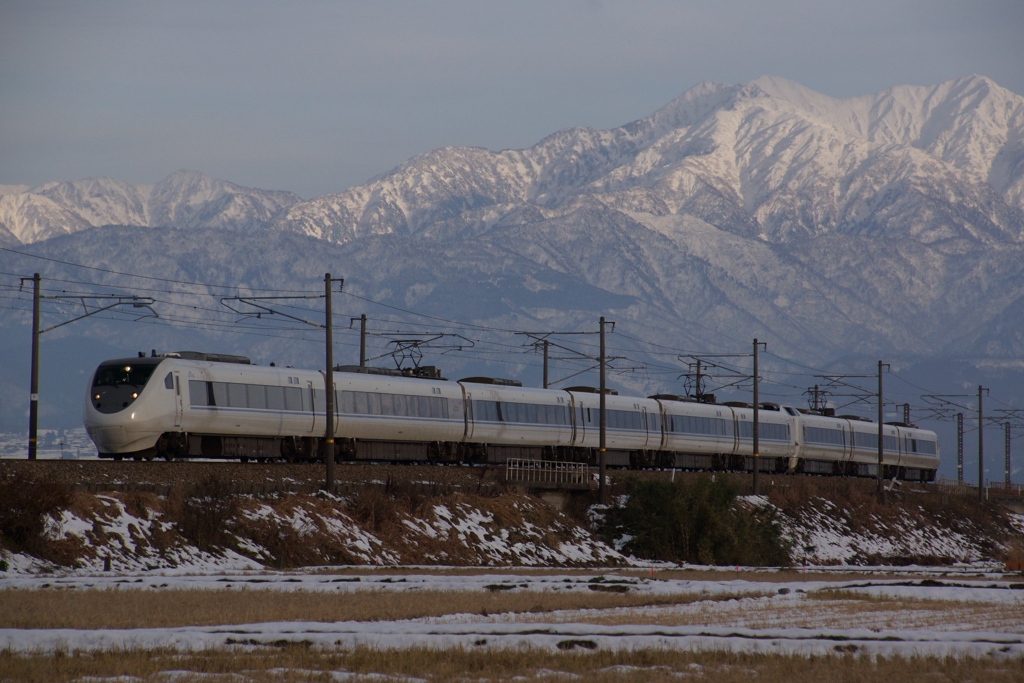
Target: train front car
128 405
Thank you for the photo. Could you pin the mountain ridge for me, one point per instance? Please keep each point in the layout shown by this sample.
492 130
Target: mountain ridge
182 199
739 157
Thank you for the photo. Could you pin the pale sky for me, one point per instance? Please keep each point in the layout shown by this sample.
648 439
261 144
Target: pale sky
315 97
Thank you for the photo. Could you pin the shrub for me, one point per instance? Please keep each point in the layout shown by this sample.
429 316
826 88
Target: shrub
26 504
203 514
696 521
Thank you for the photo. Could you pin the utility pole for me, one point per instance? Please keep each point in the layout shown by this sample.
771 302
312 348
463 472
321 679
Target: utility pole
881 430
362 340
602 443
33 406
547 344
981 446
959 448
906 413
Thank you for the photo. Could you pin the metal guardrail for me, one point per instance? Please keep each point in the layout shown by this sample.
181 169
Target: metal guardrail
994 489
1003 490
954 487
547 473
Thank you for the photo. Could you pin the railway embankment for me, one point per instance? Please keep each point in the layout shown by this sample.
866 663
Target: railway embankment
196 516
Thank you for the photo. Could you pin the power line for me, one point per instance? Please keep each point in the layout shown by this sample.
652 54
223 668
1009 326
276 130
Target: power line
144 277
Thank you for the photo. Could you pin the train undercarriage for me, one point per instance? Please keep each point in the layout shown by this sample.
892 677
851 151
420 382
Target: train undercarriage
179 446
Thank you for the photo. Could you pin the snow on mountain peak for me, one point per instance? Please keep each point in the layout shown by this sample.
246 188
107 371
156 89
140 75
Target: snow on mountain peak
770 158
183 199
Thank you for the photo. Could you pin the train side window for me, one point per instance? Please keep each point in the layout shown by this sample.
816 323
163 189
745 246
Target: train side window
826 436
197 394
438 408
292 399
455 407
256 396
275 398
220 394
389 404
862 440
169 380
236 395
486 411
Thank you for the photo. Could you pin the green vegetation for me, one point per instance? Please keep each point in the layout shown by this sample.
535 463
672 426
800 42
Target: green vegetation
695 520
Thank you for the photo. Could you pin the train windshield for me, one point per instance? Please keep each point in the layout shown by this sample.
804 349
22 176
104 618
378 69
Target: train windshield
133 374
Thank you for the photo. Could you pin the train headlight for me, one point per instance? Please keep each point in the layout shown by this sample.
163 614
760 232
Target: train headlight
135 394
96 397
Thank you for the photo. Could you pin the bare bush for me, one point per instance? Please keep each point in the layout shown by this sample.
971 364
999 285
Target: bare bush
26 506
203 513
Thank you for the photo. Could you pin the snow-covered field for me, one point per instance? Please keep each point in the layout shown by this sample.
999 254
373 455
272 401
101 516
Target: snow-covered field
912 616
54 444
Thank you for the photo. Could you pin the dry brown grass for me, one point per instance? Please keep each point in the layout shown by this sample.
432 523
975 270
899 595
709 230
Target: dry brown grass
298 663
891 614
90 609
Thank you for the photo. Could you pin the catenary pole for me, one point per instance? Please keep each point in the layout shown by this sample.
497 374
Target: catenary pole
959 448
329 387
33 406
362 340
757 422
1006 463
602 464
881 431
981 447
547 344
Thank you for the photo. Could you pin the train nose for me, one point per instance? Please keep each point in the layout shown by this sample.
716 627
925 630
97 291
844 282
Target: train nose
108 439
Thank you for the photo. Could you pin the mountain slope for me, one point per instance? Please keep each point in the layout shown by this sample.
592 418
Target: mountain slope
769 159
185 199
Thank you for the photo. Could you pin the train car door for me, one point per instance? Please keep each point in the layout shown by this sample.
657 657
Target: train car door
470 424
643 421
311 397
179 407
581 429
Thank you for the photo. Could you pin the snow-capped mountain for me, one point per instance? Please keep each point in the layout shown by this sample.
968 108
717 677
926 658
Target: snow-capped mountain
184 199
769 159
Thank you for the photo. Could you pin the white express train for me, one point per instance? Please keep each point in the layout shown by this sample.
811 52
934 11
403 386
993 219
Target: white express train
196 405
